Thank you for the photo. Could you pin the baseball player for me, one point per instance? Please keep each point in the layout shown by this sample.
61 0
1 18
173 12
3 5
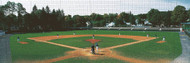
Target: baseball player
74 33
147 35
92 49
93 36
96 46
119 34
57 35
18 39
164 38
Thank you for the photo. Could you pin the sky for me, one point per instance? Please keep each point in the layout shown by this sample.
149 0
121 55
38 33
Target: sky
86 7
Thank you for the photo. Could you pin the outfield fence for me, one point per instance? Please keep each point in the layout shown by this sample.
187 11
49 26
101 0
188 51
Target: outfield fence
136 28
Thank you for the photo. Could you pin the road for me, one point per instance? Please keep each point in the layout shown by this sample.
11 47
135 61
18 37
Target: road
185 56
5 53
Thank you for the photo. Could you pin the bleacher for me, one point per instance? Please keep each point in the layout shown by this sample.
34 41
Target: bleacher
137 28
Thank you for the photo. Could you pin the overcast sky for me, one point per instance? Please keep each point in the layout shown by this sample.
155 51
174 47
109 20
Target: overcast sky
86 7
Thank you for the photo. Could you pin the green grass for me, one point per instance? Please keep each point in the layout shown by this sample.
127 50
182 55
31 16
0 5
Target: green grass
82 43
146 50
34 50
86 60
152 50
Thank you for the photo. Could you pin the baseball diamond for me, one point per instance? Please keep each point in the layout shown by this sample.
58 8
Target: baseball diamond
129 47
94 31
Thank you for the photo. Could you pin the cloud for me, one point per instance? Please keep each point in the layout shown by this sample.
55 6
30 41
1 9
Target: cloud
86 7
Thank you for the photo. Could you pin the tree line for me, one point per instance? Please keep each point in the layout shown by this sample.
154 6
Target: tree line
13 16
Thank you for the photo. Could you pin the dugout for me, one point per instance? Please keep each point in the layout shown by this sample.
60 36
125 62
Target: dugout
186 26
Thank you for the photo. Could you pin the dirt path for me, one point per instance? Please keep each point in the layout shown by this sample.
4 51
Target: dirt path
147 39
5 50
185 43
56 44
160 41
86 52
23 42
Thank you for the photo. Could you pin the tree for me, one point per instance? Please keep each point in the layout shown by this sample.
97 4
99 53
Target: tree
165 18
60 19
97 20
132 19
28 23
11 21
10 7
34 9
43 19
141 18
106 18
188 12
124 16
20 9
53 19
154 16
2 20
79 21
112 17
179 15
20 19
47 9
121 19
69 22
93 16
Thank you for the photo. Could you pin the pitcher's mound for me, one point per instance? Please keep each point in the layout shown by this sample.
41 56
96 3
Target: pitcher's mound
23 42
160 41
93 40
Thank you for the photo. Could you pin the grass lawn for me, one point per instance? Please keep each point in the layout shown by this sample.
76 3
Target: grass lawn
82 43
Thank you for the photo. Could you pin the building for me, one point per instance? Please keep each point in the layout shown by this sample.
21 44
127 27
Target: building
112 24
186 26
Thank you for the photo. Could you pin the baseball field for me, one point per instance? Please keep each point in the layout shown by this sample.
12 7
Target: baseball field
114 47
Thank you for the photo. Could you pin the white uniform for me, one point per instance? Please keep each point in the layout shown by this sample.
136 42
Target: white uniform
163 39
93 37
18 40
73 33
57 36
97 48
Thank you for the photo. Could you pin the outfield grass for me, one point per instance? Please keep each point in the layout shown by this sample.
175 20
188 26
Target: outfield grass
85 60
34 50
146 50
82 43
152 50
